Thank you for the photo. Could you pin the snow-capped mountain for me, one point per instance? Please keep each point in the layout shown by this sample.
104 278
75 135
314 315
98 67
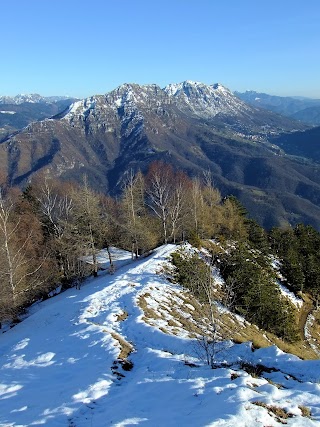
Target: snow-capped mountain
206 100
19 111
31 98
192 98
191 125
134 108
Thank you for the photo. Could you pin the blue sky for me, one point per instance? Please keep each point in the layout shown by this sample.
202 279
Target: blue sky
81 48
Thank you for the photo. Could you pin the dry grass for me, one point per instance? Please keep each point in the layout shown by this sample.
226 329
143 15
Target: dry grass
314 328
305 412
122 316
183 311
176 313
300 348
173 323
280 414
125 347
149 312
212 247
261 339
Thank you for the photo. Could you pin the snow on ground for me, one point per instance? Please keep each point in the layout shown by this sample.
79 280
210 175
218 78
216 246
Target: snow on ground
119 257
59 366
307 333
298 302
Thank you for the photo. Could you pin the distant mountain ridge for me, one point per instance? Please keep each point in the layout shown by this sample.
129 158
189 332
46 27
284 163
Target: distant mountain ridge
19 111
191 125
304 109
32 98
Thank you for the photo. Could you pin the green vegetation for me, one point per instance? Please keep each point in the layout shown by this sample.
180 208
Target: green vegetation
255 295
47 230
299 251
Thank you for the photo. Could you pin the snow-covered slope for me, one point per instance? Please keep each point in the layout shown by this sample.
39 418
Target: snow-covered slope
198 99
59 366
206 100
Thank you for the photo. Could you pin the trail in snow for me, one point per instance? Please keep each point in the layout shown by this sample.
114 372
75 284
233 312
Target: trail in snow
56 367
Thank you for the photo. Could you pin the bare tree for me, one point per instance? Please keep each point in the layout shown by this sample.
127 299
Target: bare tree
178 206
86 221
132 208
56 205
208 340
196 274
160 193
197 204
20 264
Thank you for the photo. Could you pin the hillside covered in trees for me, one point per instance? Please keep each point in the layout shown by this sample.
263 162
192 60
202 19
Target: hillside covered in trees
47 231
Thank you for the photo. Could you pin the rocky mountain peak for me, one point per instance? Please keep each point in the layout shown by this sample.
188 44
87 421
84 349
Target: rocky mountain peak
140 95
205 100
195 98
81 108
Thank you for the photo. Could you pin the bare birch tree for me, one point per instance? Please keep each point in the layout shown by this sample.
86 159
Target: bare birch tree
178 206
159 193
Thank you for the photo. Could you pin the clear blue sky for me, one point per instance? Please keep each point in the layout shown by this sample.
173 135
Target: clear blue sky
86 47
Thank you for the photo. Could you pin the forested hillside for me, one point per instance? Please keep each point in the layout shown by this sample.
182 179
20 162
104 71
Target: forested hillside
47 231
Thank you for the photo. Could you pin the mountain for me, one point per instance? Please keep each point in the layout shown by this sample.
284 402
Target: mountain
194 126
304 109
32 98
304 144
17 112
309 115
121 351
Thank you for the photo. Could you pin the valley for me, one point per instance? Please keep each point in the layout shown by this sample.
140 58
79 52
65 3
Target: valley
195 127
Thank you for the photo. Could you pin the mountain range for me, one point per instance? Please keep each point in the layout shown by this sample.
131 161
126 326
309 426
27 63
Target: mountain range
18 111
305 109
249 151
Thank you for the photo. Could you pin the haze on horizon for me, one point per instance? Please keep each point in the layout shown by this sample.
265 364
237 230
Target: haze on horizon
79 49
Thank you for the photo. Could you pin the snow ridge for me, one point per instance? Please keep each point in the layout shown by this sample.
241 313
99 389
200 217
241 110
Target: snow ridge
193 97
60 367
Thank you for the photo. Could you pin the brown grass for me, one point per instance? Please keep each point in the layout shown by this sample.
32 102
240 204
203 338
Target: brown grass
280 413
314 328
305 412
125 347
181 315
122 316
148 311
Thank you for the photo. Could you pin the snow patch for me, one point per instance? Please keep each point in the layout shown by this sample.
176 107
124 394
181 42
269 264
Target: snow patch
59 366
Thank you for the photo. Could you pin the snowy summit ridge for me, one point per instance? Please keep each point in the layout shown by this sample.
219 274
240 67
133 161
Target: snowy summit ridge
205 100
61 365
194 98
